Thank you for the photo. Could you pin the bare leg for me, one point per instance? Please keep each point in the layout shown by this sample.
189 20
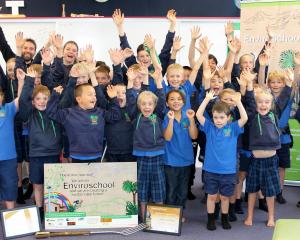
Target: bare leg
9 204
224 204
270 203
39 194
239 188
282 176
251 202
211 200
19 169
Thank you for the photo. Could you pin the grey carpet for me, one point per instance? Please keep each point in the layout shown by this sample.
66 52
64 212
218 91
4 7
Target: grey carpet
195 227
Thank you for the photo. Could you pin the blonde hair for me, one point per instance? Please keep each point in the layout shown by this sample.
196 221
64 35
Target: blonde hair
276 75
82 67
37 68
264 93
147 94
226 91
175 66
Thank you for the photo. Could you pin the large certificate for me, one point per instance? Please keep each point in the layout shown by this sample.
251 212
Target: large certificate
85 196
163 219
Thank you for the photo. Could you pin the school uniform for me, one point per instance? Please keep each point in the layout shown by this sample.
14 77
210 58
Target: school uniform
8 156
220 157
179 159
44 135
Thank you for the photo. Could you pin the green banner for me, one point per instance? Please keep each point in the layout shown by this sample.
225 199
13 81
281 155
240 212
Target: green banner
293 173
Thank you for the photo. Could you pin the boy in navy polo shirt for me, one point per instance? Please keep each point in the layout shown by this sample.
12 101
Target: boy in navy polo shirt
220 157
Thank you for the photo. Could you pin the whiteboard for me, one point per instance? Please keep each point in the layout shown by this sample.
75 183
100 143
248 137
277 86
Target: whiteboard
102 33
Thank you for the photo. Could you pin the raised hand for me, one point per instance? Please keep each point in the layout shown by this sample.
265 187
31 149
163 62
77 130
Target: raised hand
190 114
19 40
116 56
269 33
234 45
204 45
58 89
31 72
171 16
228 29
111 91
289 76
177 44
75 71
248 76
58 41
118 17
210 95
127 52
149 41
236 98
47 56
20 74
263 59
195 33
297 58
89 54
171 115
143 70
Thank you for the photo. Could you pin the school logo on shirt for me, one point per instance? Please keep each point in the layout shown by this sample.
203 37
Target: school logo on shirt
227 132
2 114
94 119
153 118
184 124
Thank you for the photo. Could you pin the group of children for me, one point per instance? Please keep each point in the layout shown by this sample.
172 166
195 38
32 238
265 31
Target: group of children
61 102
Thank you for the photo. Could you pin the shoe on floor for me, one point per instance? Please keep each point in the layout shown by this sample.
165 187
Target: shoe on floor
191 196
280 199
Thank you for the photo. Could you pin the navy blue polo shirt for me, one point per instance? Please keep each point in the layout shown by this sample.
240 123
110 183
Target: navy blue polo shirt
221 147
179 150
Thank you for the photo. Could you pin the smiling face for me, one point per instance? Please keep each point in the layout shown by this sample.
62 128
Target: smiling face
146 103
144 58
70 53
175 77
246 62
40 101
276 85
28 51
216 84
175 101
212 64
263 103
87 98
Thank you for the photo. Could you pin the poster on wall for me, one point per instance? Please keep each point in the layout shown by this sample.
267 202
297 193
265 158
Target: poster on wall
96 195
282 17
293 174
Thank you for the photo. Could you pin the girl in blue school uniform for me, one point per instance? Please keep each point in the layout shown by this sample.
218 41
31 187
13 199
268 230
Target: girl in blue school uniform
179 130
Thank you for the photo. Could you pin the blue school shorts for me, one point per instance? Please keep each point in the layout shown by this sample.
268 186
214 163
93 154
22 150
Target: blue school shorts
263 175
222 183
8 180
36 168
151 179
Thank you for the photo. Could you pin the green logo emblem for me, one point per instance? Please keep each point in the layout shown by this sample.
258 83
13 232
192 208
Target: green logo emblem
94 119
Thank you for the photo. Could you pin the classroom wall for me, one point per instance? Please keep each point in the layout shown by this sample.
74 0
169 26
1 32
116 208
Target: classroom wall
203 8
102 34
